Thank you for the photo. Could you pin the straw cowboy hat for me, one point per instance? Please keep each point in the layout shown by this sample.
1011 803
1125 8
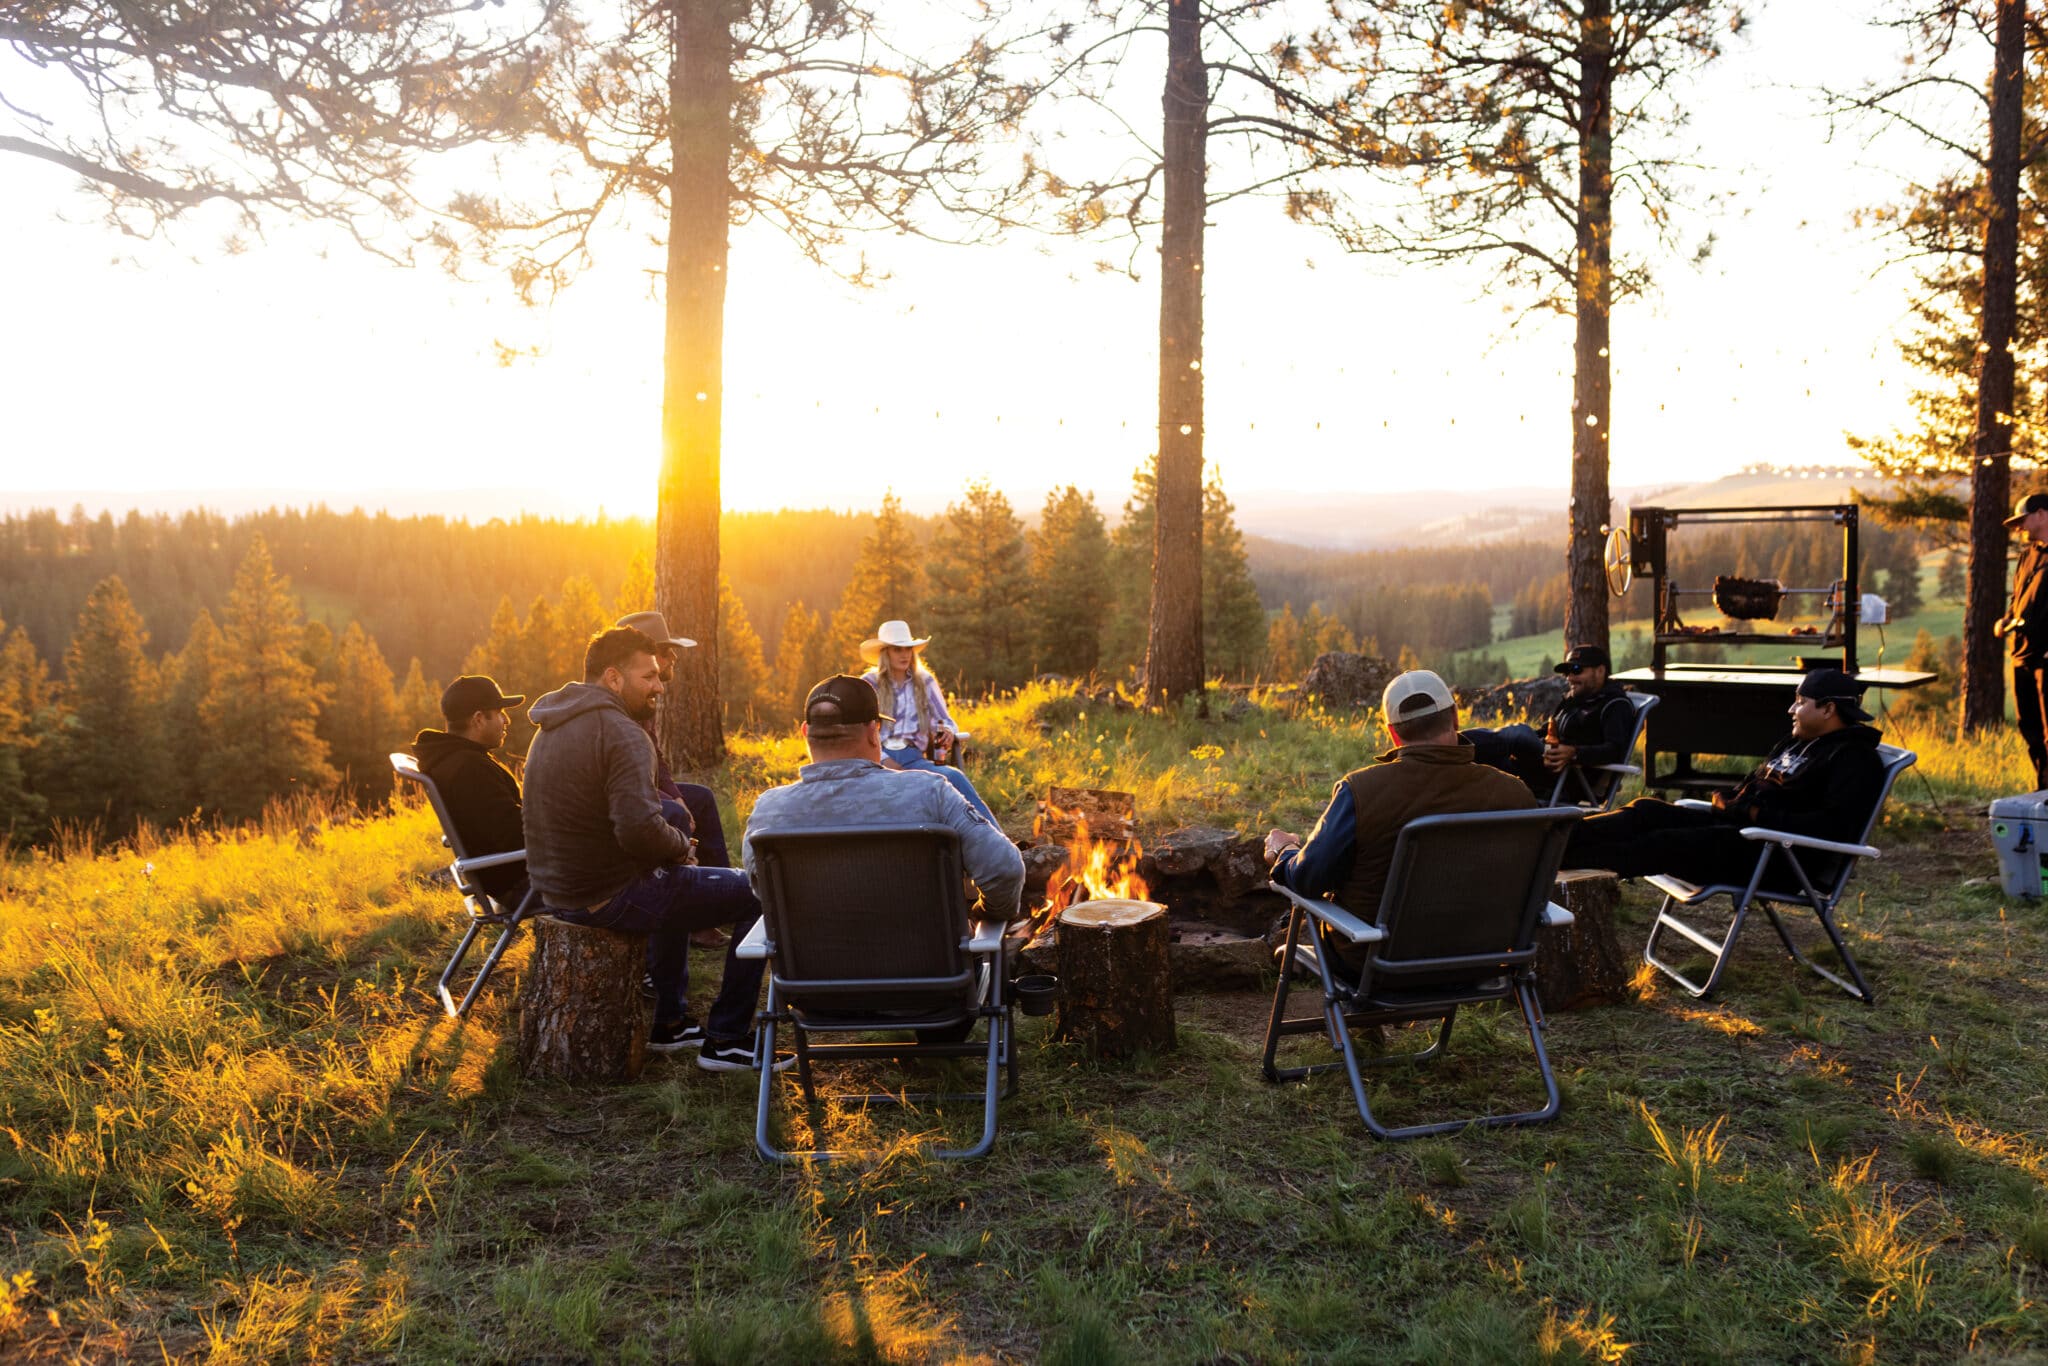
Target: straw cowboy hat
890 633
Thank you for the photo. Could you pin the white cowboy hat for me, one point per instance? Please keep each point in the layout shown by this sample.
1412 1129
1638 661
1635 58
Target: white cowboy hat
895 633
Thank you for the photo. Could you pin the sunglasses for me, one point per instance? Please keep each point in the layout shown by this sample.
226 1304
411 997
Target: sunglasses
1575 669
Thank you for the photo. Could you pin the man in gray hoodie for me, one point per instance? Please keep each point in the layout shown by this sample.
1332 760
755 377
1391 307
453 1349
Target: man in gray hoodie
600 853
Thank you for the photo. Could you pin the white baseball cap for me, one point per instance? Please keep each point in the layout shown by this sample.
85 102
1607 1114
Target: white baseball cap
1414 695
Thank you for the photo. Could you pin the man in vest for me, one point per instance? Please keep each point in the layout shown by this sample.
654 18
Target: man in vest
1428 772
2025 628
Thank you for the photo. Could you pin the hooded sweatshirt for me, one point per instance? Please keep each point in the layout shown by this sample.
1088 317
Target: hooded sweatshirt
593 823
482 801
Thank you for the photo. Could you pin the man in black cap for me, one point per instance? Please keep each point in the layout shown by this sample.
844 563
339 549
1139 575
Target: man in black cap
481 796
2025 628
1594 724
1820 781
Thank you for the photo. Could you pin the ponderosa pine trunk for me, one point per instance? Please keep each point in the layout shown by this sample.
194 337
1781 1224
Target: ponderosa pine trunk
1173 646
692 403
1983 702
1592 393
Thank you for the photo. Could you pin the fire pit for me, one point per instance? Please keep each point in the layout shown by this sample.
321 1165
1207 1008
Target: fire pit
1216 920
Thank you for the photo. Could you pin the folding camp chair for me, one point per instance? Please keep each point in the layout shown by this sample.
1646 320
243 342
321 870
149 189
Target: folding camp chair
1456 926
1770 885
1597 785
866 929
482 907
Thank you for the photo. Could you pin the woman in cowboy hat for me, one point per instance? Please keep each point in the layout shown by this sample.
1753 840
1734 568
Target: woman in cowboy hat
912 697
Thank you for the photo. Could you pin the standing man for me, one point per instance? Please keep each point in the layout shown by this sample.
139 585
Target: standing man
2025 628
600 852
481 796
691 807
1429 772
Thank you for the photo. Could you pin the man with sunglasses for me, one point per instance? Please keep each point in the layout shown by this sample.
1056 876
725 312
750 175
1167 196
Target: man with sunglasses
1594 724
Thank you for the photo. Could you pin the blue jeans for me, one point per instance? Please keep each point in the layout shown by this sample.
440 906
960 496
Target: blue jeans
910 758
703 824
666 904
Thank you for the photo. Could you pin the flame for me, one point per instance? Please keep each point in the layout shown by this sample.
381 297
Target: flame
1093 870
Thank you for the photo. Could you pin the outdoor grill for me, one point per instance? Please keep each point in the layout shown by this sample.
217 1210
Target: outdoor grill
1733 709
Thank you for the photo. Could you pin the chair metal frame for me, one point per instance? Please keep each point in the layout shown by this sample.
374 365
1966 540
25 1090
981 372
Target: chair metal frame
1507 975
1642 702
483 909
975 990
1778 845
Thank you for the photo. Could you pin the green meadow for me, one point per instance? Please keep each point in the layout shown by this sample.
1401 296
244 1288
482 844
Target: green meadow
238 1129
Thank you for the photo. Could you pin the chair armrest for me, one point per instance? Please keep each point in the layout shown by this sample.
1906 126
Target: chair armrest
470 865
1332 916
1612 768
986 936
1693 804
756 944
1789 840
1556 916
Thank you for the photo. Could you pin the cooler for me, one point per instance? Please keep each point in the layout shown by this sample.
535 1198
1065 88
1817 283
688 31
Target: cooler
2018 827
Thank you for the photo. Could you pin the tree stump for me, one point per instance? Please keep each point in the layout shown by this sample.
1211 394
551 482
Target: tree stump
1116 978
581 1015
1582 964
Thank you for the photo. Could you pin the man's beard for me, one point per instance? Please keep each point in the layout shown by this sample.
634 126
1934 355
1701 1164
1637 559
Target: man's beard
645 711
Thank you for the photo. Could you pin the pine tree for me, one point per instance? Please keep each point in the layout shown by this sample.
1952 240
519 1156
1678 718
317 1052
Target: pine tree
1130 571
636 594
1070 591
188 680
803 655
742 666
543 653
887 583
980 582
258 719
112 752
505 657
361 722
1902 583
419 701
1233 622
1954 578
579 614
1326 634
1286 644
22 809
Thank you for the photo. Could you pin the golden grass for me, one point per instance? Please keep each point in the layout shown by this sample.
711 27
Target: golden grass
1863 1228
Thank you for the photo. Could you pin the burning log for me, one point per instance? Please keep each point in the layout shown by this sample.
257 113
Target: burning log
1116 982
581 1017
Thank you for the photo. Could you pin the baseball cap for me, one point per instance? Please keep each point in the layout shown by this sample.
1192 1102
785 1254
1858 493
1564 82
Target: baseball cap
651 625
1583 657
852 701
472 693
1414 695
2027 506
1832 685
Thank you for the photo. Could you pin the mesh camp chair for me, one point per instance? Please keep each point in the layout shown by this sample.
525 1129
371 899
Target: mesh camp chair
1597 785
866 930
1456 926
483 909
1778 879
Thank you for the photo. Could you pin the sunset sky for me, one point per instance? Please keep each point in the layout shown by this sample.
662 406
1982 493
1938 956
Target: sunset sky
305 366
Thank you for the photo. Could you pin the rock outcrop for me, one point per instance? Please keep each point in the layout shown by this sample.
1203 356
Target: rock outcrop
1338 679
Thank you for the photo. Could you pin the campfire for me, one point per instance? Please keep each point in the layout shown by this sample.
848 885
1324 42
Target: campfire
1093 870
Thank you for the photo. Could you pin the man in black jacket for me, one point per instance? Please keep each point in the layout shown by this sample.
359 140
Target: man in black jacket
1594 724
481 796
1820 781
2025 628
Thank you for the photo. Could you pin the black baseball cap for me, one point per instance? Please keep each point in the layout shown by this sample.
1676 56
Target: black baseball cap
2028 505
850 698
1832 685
1583 657
472 693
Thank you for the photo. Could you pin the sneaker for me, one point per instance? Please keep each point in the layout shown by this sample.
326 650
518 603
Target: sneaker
674 1038
736 1055
647 987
